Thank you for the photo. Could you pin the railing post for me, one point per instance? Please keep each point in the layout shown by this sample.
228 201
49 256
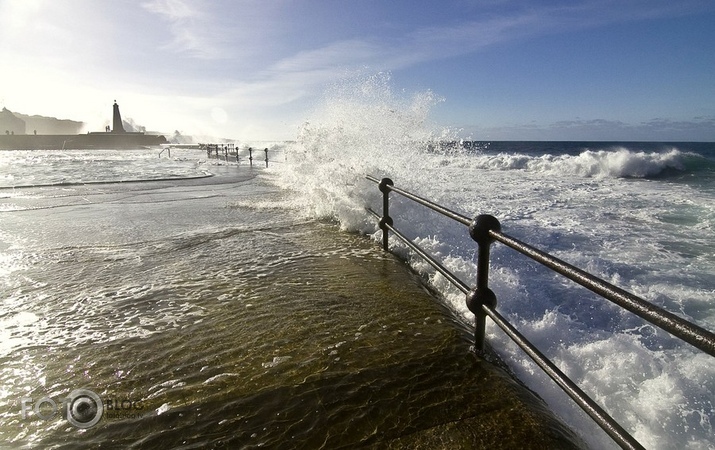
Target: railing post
386 219
481 295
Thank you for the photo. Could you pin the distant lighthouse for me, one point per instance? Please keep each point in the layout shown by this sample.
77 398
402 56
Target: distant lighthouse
117 126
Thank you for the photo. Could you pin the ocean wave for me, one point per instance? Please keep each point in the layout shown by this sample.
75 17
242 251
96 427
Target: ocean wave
620 163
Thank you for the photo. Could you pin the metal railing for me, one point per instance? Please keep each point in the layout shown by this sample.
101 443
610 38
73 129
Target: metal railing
224 151
482 301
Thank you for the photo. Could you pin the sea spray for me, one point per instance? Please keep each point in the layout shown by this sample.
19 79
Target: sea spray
360 128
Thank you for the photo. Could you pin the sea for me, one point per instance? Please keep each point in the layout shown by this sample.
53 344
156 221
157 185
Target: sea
185 290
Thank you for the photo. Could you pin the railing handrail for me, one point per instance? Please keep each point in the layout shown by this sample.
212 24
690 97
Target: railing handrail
677 326
687 331
423 201
231 149
481 300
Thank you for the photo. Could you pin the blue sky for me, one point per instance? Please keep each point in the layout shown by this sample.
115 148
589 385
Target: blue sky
505 69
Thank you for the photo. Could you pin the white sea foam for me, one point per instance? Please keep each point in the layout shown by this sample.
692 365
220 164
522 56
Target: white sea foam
592 209
621 163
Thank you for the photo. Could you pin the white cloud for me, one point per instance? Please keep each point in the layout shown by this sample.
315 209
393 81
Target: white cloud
338 54
173 10
16 15
697 129
193 31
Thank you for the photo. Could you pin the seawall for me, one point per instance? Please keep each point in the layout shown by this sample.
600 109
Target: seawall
79 141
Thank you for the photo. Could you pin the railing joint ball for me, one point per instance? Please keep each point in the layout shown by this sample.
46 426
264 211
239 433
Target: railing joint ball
384 221
481 226
478 297
384 183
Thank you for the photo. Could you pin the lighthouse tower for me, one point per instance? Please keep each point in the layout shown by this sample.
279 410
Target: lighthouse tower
117 126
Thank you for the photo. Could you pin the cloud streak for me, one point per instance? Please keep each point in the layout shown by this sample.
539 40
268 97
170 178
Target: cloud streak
657 129
193 31
434 43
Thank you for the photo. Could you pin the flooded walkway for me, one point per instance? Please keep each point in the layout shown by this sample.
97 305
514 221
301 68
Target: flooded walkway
238 326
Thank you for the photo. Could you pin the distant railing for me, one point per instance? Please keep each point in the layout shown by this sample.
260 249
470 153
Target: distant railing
482 301
224 151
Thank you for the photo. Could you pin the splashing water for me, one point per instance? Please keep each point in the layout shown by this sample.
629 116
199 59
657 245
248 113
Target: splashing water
612 210
343 142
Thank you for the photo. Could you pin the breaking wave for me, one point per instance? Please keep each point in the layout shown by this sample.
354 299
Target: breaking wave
620 163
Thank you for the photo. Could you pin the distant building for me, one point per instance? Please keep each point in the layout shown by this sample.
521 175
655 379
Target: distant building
117 120
10 124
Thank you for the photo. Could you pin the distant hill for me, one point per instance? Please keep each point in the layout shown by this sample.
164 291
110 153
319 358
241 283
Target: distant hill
21 124
50 125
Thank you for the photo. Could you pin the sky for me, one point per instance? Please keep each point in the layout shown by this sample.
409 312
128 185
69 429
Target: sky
255 69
